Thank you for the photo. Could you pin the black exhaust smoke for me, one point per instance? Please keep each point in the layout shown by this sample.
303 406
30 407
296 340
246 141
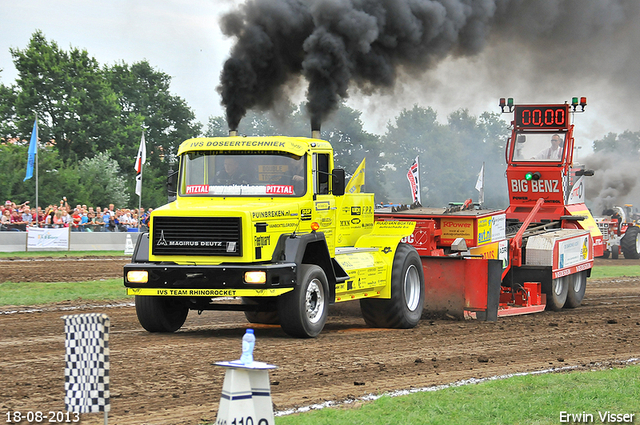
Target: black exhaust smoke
336 44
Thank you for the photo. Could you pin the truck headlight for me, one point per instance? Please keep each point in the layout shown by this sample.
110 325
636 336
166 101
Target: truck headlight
137 276
255 277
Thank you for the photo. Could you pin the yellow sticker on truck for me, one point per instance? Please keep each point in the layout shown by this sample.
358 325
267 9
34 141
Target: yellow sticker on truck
366 270
174 292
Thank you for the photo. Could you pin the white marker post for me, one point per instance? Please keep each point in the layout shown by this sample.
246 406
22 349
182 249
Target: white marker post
246 394
128 246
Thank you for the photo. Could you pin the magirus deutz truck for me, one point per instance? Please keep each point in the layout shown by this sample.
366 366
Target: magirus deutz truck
263 225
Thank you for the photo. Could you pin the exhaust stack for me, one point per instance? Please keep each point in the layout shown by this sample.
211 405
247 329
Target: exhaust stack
315 129
233 133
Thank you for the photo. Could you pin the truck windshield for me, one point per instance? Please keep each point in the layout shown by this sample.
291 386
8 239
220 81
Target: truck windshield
238 174
538 147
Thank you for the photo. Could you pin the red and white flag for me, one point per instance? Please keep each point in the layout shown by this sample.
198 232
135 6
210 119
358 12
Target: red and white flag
414 180
140 160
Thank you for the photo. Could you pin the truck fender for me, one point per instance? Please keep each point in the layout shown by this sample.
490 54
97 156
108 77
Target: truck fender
141 251
310 248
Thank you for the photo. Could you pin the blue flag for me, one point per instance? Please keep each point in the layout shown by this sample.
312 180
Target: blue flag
33 147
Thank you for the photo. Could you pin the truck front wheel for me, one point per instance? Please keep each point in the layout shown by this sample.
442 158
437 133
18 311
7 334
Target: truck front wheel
557 296
404 309
160 314
303 311
630 243
577 284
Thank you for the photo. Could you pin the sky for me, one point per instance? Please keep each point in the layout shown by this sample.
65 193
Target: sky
183 39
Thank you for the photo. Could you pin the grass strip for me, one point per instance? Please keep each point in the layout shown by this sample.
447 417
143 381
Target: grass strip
615 271
32 293
531 399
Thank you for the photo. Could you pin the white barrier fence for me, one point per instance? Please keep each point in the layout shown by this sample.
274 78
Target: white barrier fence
78 241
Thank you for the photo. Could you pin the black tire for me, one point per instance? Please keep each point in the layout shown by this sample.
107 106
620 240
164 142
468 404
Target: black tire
614 252
268 317
303 311
160 314
606 254
577 285
630 243
557 296
404 309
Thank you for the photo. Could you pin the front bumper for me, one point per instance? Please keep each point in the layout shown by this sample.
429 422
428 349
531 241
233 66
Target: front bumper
224 280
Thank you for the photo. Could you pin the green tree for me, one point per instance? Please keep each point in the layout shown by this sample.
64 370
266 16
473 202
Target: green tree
351 144
55 180
8 96
216 127
626 144
417 133
450 155
76 107
106 184
144 98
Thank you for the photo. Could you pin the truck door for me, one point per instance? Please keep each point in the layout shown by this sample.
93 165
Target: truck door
324 208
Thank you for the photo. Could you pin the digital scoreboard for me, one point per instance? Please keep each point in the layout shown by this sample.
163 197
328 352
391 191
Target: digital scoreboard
542 116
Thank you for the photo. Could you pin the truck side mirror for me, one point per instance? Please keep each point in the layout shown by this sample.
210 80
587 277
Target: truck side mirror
172 184
337 185
584 172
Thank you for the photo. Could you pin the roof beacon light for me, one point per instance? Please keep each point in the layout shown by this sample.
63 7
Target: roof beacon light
508 103
583 102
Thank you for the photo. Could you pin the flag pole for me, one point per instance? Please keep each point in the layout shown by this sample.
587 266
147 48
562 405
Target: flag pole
140 160
36 164
140 194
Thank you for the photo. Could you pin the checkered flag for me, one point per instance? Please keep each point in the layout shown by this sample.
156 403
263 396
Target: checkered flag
86 373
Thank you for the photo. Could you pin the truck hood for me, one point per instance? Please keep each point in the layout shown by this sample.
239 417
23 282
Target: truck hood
258 208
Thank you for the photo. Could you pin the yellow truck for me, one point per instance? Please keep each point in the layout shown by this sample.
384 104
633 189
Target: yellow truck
263 225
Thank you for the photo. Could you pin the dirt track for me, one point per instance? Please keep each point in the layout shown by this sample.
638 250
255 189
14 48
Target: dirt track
169 379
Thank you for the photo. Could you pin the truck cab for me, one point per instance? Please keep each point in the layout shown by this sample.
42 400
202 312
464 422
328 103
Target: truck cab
265 220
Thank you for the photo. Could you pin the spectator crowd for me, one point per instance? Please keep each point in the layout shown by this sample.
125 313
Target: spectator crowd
79 219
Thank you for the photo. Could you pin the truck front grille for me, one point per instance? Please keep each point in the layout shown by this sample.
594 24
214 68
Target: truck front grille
604 229
220 236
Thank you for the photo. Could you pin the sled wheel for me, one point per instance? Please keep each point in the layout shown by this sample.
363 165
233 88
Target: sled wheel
303 311
558 294
630 243
404 309
606 254
160 314
615 252
577 284
267 317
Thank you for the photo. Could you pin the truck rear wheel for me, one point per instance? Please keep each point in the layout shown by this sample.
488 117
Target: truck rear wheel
160 314
267 317
404 309
577 284
558 294
630 243
303 311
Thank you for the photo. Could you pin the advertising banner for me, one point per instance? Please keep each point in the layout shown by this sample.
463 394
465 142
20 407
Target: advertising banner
41 238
